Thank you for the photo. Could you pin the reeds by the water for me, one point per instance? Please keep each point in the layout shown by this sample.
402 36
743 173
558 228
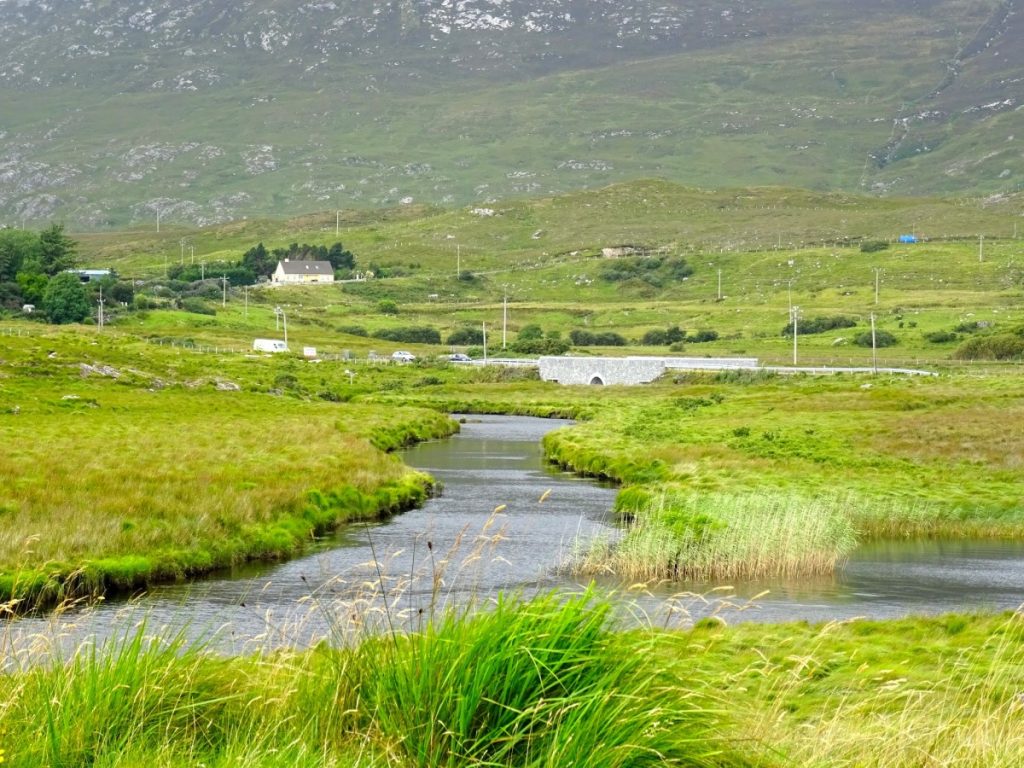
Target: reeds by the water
718 537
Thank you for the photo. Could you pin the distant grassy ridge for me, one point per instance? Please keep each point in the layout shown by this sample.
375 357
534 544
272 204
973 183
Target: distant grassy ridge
110 483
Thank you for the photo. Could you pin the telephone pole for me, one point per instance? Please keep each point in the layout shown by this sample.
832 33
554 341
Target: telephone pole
224 299
101 308
504 318
795 316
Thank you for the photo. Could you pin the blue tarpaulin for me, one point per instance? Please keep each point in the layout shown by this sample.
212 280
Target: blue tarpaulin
908 238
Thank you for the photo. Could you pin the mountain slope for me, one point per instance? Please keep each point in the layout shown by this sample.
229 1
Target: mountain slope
209 110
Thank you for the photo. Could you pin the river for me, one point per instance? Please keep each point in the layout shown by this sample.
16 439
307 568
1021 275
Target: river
508 521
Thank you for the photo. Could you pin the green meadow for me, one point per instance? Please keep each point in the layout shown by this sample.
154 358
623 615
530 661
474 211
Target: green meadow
161 448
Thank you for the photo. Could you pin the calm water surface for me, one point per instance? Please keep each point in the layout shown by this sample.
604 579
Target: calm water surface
506 520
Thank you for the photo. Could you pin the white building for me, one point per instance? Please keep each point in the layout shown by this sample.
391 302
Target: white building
291 272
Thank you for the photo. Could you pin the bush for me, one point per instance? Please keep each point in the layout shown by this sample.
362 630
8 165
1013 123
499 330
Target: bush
197 307
970 326
353 330
587 339
1003 346
387 307
530 332
64 300
540 346
873 246
655 338
941 337
811 325
653 270
702 336
465 336
882 339
418 334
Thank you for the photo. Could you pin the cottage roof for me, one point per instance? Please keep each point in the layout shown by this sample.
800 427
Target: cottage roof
306 267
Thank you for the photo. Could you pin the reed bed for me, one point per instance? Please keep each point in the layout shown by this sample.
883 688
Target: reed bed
723 537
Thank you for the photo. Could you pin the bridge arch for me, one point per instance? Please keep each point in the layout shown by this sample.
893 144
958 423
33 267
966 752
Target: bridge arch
596 380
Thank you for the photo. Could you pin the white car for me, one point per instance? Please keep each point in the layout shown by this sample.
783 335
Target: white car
401 356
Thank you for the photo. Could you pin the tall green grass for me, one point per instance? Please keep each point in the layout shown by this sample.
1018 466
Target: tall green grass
679 536
543 682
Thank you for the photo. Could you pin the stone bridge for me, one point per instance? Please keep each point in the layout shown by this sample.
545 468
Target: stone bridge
632 370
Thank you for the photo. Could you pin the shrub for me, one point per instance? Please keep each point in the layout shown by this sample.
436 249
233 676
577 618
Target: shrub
873 246
547 346
703 336
418 334
531 332
655 338
941 337
466 336
387 307
587 339
882 339
811 325
353 330
197 307
1003 346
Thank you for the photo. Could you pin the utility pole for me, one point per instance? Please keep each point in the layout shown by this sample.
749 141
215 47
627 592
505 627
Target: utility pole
504 318
224 299
192 248
795 314
981 248
182 244
158 219
246 312
202 270
458 261
719 284
484 325
878 271
337 223
874 345
101 308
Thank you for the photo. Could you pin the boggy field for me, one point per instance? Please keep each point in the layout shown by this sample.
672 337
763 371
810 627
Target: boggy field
159 448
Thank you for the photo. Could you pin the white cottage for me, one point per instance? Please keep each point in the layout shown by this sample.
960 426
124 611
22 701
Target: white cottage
291 272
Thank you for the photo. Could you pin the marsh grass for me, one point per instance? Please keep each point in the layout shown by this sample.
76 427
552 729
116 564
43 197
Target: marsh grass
943 691
499 681
674 536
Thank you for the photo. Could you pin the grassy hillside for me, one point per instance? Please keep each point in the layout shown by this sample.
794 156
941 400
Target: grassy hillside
269 111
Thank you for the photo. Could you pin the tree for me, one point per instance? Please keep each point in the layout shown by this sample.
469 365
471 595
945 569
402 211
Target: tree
65 300
259 260
340 257
530 332
17 247
56 250
33 286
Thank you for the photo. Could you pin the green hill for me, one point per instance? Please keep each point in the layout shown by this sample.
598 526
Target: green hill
207 111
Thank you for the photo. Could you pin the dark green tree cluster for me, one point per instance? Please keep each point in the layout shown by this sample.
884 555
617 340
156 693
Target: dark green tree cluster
531 340
812 325
588 339
417 334
33 270
262 262
656 271
656 337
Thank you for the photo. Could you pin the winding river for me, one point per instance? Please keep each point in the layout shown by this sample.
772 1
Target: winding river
506 520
